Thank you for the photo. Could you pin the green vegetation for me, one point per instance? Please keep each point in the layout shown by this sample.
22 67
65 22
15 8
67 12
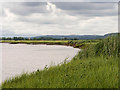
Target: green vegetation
94 67
56 37
74 43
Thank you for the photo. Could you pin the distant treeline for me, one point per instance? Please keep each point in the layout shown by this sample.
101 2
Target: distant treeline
14 38
60 37
41 38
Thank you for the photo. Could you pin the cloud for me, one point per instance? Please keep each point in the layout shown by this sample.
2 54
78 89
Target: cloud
73 8
25 8
92 9
52 19
60 1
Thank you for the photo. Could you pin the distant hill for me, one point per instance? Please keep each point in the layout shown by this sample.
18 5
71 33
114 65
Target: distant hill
109 34
72 37
67 37
60 37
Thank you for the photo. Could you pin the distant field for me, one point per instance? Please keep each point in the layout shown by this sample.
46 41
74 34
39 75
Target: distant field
30 41
74 43
48 41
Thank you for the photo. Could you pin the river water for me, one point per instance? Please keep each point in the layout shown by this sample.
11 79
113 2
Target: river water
20 58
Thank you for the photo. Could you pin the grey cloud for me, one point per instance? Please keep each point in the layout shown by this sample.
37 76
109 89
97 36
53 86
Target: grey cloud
92 9
27 22
72 8
103 0
33 3
92 13
60 0
83 5
26 8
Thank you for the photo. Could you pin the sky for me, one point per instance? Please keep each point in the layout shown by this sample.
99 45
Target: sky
58 18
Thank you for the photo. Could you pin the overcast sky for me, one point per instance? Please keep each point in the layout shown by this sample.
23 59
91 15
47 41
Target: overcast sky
60 18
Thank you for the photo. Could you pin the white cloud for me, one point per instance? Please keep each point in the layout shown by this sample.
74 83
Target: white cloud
56 21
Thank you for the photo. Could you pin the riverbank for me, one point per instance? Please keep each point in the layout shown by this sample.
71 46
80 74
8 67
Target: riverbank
74 43
94 67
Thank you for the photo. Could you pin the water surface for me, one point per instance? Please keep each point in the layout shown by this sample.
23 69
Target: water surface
19 58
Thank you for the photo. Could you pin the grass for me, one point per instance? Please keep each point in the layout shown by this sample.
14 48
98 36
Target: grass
94 67
74 43
85 73
33 41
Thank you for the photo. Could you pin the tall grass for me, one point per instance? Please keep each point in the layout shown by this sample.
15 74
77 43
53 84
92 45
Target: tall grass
85 73
94 67
108 47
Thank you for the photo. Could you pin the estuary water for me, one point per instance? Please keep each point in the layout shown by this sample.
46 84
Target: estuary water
20 58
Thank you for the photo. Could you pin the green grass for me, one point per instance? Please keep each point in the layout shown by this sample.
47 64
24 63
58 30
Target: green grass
94 67
85 73
74 43
33 41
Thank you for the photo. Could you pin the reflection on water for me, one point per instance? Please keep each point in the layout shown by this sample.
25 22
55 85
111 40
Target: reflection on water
19 58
